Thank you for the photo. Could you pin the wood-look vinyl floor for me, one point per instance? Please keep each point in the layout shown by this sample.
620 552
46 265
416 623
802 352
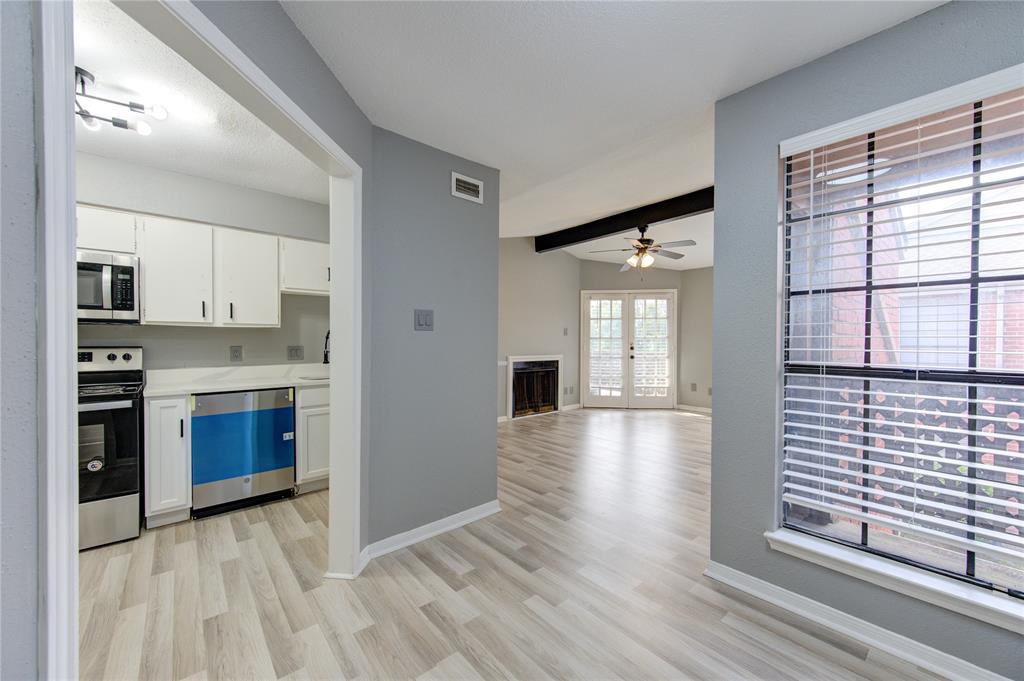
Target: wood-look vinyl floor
592 570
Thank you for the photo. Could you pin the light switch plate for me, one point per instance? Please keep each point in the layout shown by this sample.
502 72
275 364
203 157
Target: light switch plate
296 353
693 387
236 353
423 320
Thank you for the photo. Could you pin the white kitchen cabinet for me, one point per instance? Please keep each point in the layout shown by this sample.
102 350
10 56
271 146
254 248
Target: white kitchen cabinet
245 278
168 459
105 230
312 441
305 267
176 259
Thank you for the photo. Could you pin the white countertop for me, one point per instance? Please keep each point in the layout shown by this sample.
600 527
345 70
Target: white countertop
166 382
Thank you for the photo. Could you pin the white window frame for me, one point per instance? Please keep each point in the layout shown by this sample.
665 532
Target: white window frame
993 607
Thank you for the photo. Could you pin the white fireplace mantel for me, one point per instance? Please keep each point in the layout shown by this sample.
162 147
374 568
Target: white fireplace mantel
511 360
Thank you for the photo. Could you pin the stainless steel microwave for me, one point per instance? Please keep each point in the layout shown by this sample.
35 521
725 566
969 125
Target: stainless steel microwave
108 287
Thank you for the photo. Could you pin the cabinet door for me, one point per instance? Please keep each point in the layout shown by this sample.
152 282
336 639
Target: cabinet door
304 267
245 277
313 454
176 258
168 458
105 230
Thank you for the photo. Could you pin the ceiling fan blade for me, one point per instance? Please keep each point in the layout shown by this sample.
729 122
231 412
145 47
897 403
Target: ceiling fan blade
684 242
625 268
636 244
670 254
614 250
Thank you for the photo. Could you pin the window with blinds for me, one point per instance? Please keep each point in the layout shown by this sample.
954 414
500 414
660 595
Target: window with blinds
903 396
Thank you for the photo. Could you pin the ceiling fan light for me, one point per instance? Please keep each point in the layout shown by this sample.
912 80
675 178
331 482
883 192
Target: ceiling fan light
646 260
633 260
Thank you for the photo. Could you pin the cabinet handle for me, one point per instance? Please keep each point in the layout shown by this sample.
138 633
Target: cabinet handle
204 309
328 274
231 310
181 427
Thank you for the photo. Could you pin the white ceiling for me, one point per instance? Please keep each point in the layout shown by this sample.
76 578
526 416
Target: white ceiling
700 228
206 134
586 108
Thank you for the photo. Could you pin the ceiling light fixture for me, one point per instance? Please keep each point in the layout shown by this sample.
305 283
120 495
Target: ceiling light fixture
91 120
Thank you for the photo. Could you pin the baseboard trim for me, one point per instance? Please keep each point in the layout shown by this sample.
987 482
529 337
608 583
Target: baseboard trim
699 410
168 518
570 407
452 522
361 560
872 635
502 419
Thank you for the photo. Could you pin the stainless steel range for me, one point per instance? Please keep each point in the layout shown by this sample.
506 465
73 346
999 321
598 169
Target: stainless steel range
110 383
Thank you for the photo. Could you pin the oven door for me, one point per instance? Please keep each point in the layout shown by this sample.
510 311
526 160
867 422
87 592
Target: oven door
108 448
94 290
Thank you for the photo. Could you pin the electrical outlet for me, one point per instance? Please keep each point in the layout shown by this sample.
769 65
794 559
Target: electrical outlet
423 320
236 353
565 331
693 387
296 353
709 392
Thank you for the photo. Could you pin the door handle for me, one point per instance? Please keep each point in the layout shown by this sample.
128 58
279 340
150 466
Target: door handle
231 310
181 427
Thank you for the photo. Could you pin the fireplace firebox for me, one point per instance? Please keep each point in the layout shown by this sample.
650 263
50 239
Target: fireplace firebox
534 387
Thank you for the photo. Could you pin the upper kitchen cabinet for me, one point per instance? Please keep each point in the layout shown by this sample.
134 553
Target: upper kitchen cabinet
105 230
176 259
246 278
305 267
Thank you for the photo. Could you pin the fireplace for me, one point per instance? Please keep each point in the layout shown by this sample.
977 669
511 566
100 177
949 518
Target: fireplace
534 386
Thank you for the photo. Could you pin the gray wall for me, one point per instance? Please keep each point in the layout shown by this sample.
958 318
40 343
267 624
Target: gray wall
19 520
129 186
538 299
434 437
693 318
951 44
304 321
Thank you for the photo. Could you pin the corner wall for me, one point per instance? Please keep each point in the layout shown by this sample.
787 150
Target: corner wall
434 439
948 45
19 270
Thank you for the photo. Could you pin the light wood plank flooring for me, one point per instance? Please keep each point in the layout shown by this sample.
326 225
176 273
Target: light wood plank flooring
591 571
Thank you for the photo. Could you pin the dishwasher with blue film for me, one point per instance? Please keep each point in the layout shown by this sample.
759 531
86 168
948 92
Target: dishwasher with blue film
243 449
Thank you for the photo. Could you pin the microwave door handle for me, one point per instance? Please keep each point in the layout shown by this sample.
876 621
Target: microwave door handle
108 287
102 406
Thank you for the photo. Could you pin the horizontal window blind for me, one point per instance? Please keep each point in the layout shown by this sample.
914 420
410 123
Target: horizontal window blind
903 395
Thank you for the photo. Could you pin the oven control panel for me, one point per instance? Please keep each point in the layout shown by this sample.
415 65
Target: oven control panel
110 359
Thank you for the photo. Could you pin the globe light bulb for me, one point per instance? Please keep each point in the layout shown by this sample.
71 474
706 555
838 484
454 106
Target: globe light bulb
646 260
633 260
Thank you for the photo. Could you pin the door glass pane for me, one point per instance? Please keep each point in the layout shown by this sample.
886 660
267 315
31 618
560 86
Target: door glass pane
606 370
650 347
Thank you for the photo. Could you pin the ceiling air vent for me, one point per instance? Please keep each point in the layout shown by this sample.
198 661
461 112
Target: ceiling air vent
467 188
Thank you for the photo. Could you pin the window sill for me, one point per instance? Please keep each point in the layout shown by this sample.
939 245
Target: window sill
988 606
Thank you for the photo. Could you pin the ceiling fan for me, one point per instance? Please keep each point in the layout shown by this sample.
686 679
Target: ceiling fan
645 249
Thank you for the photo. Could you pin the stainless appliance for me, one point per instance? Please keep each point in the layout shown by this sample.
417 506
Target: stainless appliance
243 448
110 385
108 287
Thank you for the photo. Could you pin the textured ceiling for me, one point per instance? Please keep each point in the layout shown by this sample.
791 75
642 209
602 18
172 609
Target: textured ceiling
700 228
206 134
586 108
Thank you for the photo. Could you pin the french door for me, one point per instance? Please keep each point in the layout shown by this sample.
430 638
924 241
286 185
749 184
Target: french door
628 353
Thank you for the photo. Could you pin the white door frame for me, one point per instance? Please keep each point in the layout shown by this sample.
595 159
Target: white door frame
627 316
189 31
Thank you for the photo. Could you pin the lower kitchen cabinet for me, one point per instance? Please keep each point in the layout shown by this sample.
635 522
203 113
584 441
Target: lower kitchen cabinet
168 460
312 439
